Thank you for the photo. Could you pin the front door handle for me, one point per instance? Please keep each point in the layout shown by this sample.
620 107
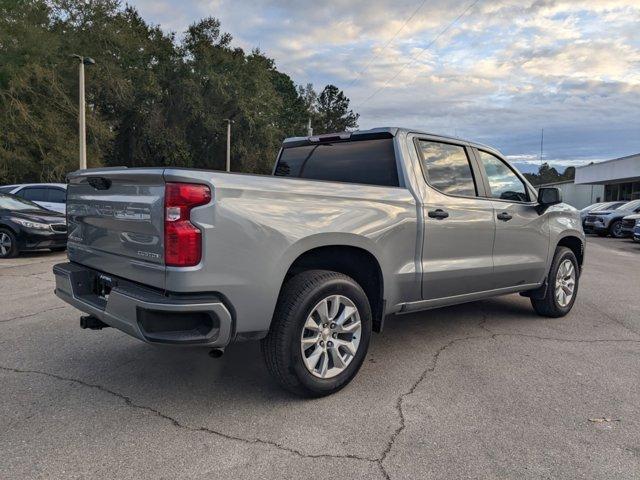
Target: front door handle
438 213
504 216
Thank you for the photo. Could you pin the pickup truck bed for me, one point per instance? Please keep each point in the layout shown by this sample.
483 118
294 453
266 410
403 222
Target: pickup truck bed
119 235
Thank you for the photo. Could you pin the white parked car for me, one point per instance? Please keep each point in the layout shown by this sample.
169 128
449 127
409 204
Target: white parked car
52 196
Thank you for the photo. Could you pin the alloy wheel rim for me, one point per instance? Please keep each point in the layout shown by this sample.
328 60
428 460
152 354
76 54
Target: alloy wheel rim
617 229
565 283
331 336
5 244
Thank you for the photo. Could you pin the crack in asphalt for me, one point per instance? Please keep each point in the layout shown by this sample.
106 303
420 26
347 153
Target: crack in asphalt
434 364
399 401
483 320
59 307
176 423
610 317
379 461
571 340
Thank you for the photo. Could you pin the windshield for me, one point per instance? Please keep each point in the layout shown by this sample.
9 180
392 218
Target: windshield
629 206
614 205
16 204
594 207
606 206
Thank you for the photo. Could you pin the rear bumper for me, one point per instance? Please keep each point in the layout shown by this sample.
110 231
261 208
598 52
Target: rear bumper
144 313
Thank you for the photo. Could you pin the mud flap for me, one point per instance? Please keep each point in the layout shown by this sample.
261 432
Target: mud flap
537 293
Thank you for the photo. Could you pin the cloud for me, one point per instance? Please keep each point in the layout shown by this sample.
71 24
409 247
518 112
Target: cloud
504 71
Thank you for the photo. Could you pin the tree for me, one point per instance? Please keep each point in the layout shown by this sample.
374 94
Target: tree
38 138
332 112
569 173
153 99
547 174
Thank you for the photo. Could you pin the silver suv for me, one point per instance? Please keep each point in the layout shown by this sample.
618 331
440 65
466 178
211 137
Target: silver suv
350 230
609 222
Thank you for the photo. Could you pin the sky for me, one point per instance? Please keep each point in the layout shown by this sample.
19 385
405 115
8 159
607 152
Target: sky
492 71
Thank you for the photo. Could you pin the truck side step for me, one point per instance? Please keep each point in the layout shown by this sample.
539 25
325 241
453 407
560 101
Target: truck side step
92 323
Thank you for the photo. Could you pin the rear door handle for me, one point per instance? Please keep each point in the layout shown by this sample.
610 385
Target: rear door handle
504 216
438 213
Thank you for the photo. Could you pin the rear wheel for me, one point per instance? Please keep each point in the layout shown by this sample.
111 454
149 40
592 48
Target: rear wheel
320 333
562 285
616 229
8 244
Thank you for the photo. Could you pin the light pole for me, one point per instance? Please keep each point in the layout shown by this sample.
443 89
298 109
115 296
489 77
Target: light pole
229 122
309 128
82 130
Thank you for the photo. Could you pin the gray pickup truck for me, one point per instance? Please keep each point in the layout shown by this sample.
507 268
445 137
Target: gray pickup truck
350 229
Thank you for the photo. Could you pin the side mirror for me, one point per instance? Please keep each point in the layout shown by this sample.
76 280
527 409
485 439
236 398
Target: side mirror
548 196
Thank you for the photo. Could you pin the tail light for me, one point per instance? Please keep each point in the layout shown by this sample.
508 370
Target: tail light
182 239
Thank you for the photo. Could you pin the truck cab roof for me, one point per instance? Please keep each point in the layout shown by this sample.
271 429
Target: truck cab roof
373 133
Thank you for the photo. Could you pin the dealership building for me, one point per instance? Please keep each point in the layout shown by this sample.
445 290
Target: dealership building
578 196
620 177
611 180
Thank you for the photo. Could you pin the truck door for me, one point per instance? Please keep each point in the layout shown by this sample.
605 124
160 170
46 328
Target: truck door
522 233
459 224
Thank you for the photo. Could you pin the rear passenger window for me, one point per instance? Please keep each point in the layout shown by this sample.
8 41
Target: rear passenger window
447 168
371 162
34 194
57 195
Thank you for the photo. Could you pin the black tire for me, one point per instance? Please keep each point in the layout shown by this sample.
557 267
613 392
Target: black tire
549 306
281 348
12 250
615 229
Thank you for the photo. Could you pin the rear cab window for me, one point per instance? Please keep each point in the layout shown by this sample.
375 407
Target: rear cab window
366 161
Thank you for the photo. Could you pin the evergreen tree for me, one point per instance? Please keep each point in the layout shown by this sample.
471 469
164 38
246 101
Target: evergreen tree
153 99
547 174
333 113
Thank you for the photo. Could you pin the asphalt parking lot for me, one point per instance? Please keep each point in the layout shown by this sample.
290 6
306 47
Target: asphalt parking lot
483 390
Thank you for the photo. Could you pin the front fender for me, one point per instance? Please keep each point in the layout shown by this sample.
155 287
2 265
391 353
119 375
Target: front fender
564 221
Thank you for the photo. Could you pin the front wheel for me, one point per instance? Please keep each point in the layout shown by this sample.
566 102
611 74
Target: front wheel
616 229
562 285
8 244
320 333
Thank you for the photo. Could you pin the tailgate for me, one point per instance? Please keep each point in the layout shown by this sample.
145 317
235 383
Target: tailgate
116 222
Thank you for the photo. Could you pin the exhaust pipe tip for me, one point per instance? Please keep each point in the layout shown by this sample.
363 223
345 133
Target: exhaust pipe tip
216 352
